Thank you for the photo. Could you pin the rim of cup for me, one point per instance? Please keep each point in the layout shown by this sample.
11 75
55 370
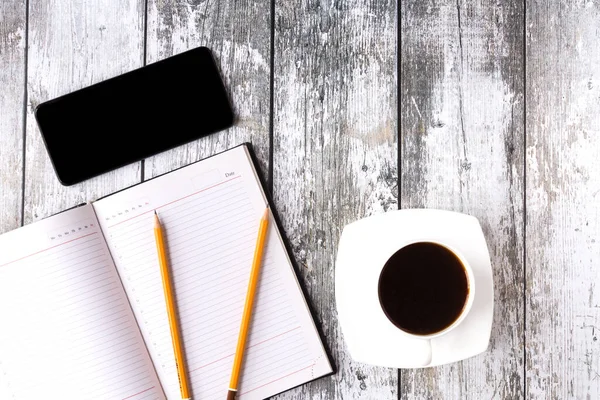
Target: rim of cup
468 302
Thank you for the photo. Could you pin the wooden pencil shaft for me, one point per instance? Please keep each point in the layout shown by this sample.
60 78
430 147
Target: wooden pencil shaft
171 311
247 313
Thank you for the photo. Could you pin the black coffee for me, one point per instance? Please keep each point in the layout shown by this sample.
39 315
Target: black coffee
423 288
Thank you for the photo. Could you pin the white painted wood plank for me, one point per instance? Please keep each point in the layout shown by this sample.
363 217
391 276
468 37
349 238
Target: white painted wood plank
12 86
239 34
563 200
73 44
335 155
462 149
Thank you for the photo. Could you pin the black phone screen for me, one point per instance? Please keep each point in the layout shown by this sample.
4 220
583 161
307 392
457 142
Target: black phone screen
134 115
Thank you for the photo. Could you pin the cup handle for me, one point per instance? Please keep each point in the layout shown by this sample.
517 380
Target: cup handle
428 358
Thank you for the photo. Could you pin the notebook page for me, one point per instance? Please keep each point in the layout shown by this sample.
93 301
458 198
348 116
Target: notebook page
66 328
210 212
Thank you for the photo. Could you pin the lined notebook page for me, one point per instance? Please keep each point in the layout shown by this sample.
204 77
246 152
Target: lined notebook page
210 212
67 330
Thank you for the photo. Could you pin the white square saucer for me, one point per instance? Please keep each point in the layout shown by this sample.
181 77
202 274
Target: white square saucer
364 248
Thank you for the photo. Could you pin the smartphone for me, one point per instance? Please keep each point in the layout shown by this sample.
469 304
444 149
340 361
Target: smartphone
135 115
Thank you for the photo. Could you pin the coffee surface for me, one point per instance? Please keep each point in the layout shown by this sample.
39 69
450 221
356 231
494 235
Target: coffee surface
423 288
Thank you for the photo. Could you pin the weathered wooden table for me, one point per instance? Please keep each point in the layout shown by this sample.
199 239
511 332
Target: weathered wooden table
358 107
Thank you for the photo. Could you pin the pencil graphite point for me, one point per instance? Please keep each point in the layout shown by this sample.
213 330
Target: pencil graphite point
266 214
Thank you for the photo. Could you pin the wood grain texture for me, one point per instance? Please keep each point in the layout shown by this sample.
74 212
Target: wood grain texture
335 150
12 97
334 154
239 34
563 200
72 45
462 149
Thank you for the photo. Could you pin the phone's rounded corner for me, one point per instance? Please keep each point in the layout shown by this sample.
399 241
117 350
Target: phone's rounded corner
36 111
231 120
63 182
60 178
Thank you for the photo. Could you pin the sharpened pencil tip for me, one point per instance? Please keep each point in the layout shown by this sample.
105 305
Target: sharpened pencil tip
266 214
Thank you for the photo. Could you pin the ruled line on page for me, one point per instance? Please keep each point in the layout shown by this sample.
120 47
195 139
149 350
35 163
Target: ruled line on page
273 359
211 353
49 248
166 204
209 205
44 260
275 380
69 327
138 393
248 347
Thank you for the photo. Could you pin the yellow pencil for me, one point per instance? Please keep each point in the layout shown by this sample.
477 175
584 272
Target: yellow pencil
170 300
254 272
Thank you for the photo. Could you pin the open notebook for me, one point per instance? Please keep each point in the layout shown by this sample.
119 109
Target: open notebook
82 311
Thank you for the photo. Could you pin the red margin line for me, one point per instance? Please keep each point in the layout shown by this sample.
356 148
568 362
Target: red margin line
171 202
133 395
254 345
49 248
275 380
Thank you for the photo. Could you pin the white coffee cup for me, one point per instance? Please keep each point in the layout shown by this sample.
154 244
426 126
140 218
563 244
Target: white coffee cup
470 295
365 247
